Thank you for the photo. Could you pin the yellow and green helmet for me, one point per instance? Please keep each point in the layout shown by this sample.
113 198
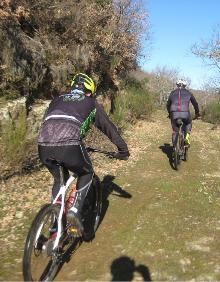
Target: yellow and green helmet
84 82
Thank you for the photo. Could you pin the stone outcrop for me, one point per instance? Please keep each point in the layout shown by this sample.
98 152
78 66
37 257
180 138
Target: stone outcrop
35 116
10 111
18 136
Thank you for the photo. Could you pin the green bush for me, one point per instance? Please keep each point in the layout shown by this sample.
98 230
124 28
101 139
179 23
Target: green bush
104 2
121 112
9 94
135 103
211 112
140 103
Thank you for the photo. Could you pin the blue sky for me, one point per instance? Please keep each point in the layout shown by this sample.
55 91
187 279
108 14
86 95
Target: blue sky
175 26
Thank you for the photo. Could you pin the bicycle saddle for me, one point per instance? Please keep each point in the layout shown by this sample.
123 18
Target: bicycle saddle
179 122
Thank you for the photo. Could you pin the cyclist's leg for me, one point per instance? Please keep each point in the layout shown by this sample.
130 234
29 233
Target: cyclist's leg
46 154
175 128
188 127
76 159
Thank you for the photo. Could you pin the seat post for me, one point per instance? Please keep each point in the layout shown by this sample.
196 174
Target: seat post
62 182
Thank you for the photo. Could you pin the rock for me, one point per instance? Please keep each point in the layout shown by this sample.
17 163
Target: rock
23 58
11 111
19 214
35 116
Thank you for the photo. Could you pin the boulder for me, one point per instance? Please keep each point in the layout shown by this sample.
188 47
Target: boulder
10 111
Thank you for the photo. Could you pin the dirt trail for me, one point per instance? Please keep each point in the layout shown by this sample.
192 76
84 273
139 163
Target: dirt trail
168 229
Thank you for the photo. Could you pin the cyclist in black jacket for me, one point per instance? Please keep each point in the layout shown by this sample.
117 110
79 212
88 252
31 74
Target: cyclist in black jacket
65 124
178 107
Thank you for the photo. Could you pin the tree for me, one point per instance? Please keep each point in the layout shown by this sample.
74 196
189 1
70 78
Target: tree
209 51
162 81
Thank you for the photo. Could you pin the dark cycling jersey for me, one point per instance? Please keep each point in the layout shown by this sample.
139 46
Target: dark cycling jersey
69 117
179 100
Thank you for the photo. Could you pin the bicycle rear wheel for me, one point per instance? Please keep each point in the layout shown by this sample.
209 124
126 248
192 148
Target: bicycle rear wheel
92 207
40 262
176 154
186 153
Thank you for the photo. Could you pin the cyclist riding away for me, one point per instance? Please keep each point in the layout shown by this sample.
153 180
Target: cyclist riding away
178 107
65 124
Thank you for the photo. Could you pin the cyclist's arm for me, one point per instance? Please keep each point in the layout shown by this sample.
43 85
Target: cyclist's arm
195 104
103 123
168 104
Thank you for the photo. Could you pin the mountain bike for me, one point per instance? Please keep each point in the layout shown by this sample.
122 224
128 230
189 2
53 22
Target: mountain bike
44 253
180 149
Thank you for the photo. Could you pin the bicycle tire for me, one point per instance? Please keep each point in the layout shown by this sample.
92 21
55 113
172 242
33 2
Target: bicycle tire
186 154
175 159
176 155
35 245
92 208
98 203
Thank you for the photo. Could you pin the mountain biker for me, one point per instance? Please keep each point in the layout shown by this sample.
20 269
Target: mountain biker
178 107
65 124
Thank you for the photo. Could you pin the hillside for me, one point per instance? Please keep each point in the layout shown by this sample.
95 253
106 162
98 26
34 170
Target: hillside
169 228
44 44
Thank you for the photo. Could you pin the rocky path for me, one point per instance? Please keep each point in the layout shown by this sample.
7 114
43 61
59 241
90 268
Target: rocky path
159 224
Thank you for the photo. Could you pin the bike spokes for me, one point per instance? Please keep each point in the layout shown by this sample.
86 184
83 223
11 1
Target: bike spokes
40 259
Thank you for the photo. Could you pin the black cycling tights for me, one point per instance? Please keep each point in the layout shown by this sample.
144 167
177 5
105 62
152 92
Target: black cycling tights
73 158
187 125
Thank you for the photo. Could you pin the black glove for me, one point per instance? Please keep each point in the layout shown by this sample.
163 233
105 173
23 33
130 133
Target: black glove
122 155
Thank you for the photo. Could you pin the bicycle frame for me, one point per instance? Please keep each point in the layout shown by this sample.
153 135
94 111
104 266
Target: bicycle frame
181 136
40 242
181 130
179 147
61 193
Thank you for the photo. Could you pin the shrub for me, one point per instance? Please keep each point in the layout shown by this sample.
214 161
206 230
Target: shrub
134 103
140 103
9 94
211 112
121 112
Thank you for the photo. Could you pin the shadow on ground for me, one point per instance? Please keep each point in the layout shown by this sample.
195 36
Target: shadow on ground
110 188
167 149
124 269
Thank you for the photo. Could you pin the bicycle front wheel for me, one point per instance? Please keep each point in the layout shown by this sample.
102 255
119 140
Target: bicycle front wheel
40 262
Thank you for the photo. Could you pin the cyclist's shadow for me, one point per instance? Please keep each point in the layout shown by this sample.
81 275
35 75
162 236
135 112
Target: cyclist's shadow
109 187
168 150
124 269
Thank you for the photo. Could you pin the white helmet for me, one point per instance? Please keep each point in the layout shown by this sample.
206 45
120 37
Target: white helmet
181 83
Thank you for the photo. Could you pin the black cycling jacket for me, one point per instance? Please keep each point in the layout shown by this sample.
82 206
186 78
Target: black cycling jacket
179 100
69 117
